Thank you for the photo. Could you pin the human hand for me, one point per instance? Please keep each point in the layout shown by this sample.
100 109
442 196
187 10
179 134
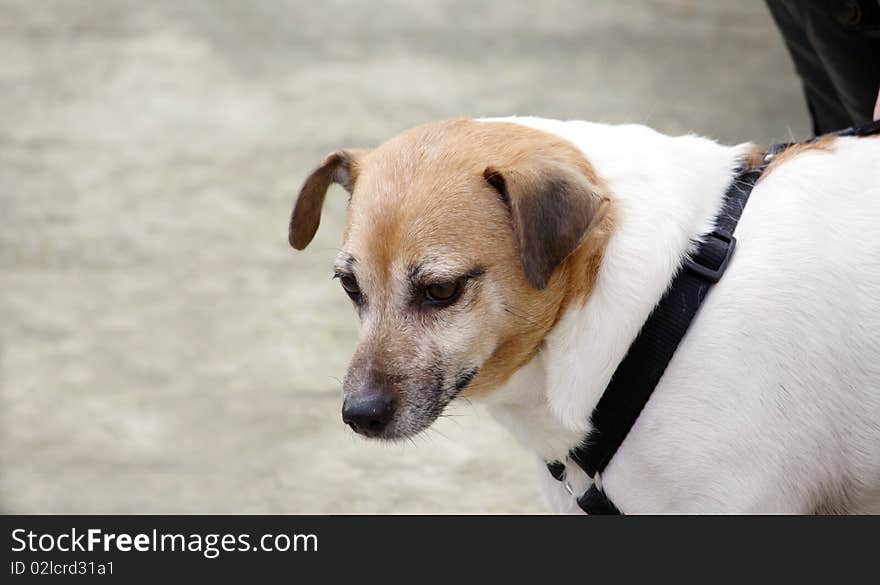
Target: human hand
877 107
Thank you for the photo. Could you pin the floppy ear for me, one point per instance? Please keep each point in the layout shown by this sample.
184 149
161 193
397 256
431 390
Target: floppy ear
339 167
552 207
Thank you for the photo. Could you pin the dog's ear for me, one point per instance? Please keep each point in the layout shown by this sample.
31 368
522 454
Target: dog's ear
552 207
339 167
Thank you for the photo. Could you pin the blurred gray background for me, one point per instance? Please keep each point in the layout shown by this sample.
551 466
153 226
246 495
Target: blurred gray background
162 349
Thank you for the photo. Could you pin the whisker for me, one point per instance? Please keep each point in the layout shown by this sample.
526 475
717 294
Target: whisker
520 316
452 418
438 432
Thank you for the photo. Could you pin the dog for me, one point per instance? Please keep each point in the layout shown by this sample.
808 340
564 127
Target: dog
514 260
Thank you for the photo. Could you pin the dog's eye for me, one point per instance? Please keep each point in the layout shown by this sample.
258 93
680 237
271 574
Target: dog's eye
443 292
350 285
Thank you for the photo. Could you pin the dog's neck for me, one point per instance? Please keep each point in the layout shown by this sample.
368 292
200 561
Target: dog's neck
666 191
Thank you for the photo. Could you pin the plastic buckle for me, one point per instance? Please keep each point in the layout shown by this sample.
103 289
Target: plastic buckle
713 275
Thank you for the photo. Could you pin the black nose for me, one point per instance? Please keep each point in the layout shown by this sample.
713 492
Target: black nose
368 412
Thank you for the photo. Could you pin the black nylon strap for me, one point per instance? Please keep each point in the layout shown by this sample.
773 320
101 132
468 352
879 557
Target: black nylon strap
637 375
868 129
640 371
595 503
557 470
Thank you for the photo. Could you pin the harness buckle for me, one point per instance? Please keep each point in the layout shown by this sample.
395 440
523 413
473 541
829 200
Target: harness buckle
710 274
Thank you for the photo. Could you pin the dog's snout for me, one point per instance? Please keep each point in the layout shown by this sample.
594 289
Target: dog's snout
368 412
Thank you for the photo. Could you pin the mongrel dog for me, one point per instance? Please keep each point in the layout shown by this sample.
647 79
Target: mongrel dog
515 260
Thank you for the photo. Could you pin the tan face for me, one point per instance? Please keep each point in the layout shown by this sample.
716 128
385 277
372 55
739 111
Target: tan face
453 257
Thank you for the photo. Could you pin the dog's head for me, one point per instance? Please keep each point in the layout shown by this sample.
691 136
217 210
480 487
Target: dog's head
464 242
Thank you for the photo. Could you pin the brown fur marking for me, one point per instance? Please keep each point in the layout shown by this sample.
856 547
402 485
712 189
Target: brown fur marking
824 144
338 167
551 209
754 158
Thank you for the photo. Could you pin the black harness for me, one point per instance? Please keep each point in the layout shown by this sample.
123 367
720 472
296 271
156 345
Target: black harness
637 375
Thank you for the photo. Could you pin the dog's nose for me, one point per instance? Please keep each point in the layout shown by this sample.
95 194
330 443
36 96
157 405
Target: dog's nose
368 412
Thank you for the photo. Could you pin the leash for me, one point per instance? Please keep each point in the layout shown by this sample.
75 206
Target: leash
637 375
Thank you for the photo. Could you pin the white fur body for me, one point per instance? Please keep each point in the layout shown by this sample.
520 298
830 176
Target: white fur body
771 403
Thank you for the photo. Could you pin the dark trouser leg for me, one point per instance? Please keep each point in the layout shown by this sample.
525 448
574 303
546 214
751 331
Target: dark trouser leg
835 46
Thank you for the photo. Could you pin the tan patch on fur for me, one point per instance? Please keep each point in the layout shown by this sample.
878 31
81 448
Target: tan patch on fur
424 190
581 269
824 144
754 157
